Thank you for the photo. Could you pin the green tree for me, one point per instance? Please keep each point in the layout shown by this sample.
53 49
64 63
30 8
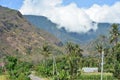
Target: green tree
117 61
47 51
16 67
115 49
114 34
74 55
117 70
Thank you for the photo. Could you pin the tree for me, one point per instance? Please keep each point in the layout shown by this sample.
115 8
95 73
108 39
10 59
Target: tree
99 48
117 61
73 49
114 38
102 44
46 53
114 34
47 50
16 67
74 54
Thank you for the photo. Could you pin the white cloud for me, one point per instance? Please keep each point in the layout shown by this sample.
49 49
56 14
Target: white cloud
72 17
105 13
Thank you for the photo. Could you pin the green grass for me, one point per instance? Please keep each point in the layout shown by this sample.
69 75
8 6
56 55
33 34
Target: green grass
96 76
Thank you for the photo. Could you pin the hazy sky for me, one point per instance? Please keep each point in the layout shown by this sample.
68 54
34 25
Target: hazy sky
74 15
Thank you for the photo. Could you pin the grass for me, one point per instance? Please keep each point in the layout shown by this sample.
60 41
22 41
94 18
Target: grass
105 74
96 76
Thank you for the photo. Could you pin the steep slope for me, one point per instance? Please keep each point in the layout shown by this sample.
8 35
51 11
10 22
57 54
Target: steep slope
63 35
44 23
17 35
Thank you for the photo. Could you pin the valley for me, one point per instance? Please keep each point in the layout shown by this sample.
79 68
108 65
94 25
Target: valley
31 43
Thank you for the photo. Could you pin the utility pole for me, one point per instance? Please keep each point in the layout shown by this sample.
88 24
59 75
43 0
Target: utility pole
102 63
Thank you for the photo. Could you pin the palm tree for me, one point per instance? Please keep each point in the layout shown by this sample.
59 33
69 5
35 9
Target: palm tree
114 39
74 54
114 34
102 45
47 51
73 49
99 48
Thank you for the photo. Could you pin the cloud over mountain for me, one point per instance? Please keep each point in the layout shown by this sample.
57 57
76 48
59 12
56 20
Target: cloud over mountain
105 13
72 17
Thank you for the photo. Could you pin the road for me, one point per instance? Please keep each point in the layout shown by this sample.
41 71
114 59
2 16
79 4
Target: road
32 77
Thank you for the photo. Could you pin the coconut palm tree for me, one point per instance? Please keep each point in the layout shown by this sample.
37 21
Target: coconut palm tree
114 34
114 37
74 54
99 48
47 51
102 45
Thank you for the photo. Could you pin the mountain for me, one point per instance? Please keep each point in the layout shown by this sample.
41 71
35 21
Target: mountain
46 24
65 36
17 35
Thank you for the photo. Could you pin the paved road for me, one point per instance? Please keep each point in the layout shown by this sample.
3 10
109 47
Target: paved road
32 77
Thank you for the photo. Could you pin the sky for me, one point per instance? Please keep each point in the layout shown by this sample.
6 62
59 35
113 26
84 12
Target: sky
74 15
16 4
89 3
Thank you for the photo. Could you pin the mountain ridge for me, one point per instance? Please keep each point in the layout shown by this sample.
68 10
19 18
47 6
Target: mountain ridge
62 34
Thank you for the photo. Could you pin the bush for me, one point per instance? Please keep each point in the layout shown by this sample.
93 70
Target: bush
18 70
117 70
